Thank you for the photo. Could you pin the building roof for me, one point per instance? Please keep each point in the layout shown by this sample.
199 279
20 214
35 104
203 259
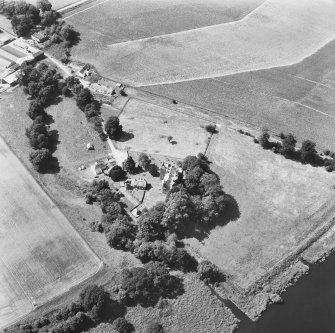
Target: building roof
4 38
40 35
101 89
5 63
11 78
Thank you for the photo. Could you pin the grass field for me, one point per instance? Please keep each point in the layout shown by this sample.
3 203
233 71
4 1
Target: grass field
118 21
147 127
277 33
298 98
41 254
281 203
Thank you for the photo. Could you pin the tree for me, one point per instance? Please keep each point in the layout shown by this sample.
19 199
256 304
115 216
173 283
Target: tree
308 151
144 161
145 285
129 165
121 234
288 145
49 18
113 127
123 326
40 159
209 273
211 128
178 211
83 98
264 138
69 34
71 81
189 162
44 5
117 173
35 109
154 327
22 25
94 296
153 169
149 224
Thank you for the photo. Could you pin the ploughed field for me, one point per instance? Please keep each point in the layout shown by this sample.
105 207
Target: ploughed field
298 98
41 255
107 22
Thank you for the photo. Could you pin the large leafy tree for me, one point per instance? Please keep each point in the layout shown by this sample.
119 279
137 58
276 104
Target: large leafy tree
113 128
40 159
288 145
308 151
178 211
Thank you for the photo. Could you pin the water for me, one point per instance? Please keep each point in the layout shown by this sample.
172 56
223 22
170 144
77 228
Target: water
309 306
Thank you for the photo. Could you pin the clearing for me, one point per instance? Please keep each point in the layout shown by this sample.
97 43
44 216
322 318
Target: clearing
147 127
282 204
107 22
277 33
42 255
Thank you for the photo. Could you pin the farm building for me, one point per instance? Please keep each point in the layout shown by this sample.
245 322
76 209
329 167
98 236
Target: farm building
19 52
139 184
84 70
169 175
11 79
40 37
99 167
101 89
4 39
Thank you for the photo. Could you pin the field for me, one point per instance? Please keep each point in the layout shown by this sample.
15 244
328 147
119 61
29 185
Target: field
41 254
109 22
277 33
56 4
147 127
281 203
298 98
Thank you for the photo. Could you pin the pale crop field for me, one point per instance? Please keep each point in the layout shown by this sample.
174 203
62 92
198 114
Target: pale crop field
41 255
281 203
276 33
107 22
147 127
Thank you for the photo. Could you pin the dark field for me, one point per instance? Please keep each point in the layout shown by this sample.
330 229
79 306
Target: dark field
298 98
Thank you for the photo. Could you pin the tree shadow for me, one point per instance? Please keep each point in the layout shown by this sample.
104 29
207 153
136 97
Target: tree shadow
112 311
201 231
126 136
53 167
48 119
54 140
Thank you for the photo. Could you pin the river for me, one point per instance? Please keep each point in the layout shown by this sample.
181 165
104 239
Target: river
309 306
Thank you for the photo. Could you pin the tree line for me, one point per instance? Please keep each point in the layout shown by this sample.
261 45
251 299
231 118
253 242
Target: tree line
307 153
25 17
41 83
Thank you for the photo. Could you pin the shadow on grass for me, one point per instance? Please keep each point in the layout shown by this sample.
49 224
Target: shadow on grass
126 136
54 140
52 168
112 311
